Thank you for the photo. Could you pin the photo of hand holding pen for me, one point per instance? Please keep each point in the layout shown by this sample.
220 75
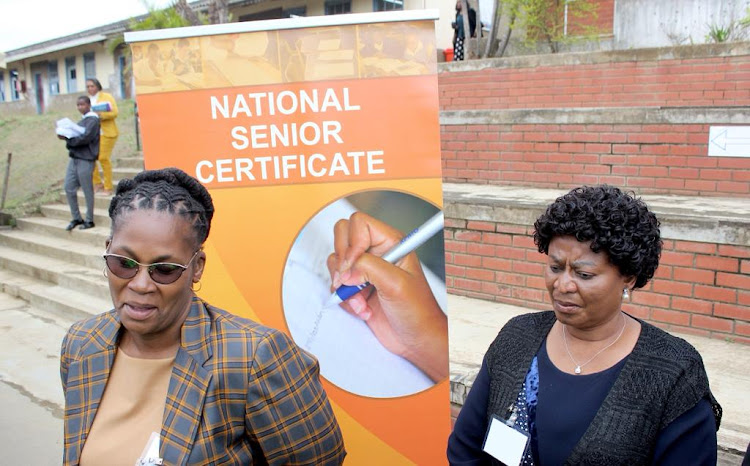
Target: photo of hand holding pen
377 277
386 333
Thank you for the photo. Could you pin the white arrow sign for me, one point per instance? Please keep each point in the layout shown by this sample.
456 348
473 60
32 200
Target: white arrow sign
729 141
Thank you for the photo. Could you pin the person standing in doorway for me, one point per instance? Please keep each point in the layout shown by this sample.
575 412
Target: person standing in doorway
459 34
105 106
83 151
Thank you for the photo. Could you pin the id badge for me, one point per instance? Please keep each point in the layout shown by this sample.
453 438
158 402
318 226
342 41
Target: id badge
504 443
150 455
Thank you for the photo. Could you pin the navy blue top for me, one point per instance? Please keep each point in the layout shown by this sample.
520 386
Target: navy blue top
567 405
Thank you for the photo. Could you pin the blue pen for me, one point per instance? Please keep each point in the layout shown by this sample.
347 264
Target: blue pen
408 244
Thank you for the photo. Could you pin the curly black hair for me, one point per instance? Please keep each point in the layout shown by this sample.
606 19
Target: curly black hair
615 222
168 189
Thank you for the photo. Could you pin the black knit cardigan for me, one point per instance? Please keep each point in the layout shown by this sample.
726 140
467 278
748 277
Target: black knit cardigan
662 378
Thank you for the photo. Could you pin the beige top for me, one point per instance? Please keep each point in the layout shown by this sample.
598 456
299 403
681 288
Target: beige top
132 407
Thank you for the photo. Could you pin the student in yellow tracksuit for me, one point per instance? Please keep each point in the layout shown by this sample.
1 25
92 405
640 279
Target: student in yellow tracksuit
103 182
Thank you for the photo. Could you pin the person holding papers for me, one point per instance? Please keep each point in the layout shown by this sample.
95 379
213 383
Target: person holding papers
587 383
166 368
105 106
83 151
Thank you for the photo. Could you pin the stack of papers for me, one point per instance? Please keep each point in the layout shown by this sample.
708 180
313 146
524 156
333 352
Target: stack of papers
67 128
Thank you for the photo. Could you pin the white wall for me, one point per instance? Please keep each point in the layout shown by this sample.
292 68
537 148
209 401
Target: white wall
657 23
443 29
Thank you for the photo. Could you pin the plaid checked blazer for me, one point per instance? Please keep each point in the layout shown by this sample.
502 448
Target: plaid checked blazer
240 393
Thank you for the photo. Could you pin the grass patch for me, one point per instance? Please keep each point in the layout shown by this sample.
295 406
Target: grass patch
39 159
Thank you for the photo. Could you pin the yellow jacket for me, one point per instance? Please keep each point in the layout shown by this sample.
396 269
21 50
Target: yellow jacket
109 127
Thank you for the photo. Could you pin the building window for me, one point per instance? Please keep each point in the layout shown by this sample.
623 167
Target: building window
89 65
387 5
54 77
70 74
337 7
274 13
296 11
15 85
2 86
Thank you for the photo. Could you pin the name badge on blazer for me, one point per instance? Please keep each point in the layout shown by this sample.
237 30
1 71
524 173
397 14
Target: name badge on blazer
150 455
504 443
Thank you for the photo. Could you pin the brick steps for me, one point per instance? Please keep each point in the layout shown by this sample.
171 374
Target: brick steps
701 286
69 299
56 271
56 227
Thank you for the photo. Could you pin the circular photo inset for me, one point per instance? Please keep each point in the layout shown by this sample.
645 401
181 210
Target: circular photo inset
356 354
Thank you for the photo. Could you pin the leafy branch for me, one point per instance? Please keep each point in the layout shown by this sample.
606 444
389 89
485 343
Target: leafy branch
553 22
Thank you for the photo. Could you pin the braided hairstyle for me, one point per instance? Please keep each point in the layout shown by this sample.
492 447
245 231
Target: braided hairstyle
615 222
169 189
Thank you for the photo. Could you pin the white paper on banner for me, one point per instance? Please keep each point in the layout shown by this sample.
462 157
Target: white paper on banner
729 141
350 355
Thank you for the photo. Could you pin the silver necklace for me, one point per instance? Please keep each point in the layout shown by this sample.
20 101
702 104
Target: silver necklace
578 365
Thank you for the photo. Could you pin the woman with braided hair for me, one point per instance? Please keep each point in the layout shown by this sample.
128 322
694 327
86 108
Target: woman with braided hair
587 383
214 387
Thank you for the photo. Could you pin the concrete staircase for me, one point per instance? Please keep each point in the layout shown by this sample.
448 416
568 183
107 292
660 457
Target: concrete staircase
55 270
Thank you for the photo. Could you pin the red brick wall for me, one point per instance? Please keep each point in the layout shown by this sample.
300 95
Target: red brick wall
663 158
699 288
604 21
709 81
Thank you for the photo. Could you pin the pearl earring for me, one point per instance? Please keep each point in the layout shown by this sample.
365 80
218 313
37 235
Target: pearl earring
625 293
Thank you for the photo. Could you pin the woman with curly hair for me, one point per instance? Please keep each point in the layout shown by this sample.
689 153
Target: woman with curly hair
587 383
212 387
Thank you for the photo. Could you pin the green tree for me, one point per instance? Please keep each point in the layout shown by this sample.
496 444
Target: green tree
218 12
558 22
179 14
553 22
510 8
157 19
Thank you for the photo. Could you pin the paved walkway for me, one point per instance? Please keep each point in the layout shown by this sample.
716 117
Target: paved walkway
474 323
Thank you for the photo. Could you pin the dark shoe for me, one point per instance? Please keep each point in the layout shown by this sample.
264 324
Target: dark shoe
86 226
73 224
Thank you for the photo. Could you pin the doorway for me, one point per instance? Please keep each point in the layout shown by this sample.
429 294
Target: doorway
39 90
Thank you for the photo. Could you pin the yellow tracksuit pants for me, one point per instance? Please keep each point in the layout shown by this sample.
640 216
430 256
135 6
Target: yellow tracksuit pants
106 145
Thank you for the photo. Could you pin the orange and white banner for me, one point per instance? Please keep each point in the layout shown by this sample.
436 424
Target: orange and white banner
293 125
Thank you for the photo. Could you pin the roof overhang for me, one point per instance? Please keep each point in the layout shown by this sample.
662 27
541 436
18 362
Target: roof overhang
286 23
2 61
55 47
